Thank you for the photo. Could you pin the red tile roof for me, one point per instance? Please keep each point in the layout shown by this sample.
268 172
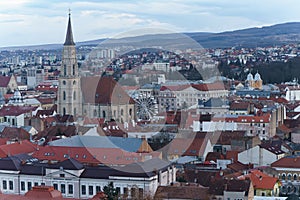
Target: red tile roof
15 133
261 180
16 148
239 105
108 156
287 162
175 87
88 87
37 193
16 110
209 86
110 92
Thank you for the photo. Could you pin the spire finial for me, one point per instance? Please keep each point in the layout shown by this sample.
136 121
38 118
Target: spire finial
69 12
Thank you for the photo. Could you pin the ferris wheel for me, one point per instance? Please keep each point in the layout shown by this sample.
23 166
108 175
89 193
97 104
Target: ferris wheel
146 106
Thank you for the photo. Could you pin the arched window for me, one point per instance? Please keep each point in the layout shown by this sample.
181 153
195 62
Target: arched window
283 176
114 113
295 177
103 114
289 177
130 112
64 111
64 82
65 70
74 95
122 112
73 70
64 95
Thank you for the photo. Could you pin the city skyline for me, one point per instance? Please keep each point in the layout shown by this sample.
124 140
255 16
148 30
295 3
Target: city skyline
32 22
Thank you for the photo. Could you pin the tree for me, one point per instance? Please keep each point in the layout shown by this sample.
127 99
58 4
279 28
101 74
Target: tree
111 191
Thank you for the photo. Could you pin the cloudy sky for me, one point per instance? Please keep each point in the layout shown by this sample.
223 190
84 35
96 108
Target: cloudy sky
30 22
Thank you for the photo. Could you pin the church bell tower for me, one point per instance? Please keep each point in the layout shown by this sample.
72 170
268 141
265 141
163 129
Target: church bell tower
69 91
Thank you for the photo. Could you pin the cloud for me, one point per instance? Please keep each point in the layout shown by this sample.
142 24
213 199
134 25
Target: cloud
43 21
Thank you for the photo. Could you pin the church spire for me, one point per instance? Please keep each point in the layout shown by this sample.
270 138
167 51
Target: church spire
69 36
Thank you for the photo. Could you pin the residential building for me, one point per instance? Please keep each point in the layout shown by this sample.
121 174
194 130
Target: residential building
261 155
289 174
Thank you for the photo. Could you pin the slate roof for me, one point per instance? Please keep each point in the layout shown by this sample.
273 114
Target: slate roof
148 166
70 164
100 142
10 163
214 102
69 36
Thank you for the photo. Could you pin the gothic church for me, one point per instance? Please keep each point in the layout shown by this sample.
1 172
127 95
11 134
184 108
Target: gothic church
94 97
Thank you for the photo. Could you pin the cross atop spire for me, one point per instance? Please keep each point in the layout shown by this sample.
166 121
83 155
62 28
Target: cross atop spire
69 36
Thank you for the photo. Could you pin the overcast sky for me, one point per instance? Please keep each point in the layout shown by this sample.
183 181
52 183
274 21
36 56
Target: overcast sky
30 22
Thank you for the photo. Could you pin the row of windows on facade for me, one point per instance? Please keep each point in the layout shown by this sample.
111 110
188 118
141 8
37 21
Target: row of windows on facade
289 177
114 113
68 189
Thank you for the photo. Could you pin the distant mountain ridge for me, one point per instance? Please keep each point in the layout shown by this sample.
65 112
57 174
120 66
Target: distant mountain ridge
279 34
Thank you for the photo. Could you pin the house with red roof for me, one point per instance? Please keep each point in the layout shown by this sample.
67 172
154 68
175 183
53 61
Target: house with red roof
22 147
263 184
15 115
288 172
8 83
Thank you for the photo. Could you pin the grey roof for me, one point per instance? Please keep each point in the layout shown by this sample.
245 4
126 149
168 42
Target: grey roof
214 102
69 36
10 163
142 169
148 166
127 144
70 164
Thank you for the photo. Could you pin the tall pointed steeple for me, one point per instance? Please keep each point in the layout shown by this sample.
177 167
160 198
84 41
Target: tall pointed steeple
69 36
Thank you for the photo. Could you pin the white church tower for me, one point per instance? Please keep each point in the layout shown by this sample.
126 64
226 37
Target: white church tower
69 92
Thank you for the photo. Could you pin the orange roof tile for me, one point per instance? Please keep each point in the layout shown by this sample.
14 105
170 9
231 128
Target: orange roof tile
261 180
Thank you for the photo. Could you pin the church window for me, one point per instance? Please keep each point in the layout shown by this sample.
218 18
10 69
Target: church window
64 82
74 95
64 95
95 113
74 82
114 113
75 111
122 112
64 111
73 70
103 114
65 70
130 112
